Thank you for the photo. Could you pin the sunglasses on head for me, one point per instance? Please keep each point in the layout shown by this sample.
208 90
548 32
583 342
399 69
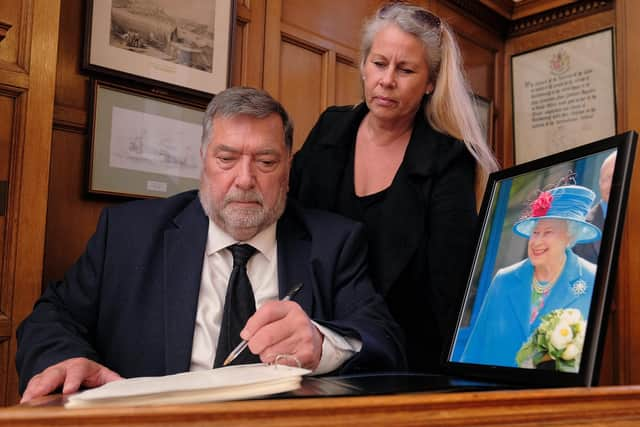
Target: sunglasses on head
421 15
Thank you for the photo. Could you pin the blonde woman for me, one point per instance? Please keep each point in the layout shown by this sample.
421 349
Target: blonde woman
403 162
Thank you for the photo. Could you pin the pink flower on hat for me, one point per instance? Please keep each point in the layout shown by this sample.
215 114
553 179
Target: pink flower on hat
541 205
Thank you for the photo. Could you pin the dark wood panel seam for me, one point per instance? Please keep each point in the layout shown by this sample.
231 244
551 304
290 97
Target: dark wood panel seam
69 119
69 127
483 15
4 195
558 15
5 327
4 27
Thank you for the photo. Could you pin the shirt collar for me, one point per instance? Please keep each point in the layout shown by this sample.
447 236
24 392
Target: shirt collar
264 241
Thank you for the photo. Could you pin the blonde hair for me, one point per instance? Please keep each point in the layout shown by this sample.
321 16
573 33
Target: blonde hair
450 109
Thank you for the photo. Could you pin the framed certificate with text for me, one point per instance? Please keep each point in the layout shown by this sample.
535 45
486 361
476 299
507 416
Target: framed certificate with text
563 95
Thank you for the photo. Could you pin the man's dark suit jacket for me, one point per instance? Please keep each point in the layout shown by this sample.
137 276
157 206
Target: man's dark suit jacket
590 251
130 301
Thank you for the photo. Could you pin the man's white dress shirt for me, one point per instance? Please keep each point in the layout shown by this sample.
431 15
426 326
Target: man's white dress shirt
262 270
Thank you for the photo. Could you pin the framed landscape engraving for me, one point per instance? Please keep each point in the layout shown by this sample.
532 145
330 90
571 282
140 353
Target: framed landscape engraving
143 145
184 44
563 95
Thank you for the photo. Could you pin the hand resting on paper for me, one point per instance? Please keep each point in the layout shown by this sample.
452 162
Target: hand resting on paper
283 328
70 374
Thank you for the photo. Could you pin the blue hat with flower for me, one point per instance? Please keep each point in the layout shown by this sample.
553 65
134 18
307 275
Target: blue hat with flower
569 202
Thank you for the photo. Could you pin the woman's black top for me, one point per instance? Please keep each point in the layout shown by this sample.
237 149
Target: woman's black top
420 229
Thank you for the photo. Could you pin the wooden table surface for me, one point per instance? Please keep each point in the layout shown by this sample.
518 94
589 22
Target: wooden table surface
602 406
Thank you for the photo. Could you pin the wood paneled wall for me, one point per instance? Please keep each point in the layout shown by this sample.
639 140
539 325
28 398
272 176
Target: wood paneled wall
248 55
27 77
482 50
312 56
305 52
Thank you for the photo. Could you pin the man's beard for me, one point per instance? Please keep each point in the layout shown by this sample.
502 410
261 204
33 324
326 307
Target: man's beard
241 223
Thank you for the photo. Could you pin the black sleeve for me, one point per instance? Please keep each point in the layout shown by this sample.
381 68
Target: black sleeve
451 226
63 320
361 312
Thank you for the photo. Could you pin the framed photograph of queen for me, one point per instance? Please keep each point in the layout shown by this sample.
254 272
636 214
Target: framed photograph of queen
537 297
182 44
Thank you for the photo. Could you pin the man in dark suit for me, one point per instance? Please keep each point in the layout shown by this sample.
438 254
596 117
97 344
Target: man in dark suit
598 212
147 297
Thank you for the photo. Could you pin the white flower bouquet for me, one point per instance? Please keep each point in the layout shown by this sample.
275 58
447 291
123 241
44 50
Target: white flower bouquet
558 339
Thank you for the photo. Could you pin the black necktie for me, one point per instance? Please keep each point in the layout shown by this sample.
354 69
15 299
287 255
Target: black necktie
239 305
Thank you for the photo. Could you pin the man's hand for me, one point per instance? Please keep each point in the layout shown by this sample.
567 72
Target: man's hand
71 374
283 328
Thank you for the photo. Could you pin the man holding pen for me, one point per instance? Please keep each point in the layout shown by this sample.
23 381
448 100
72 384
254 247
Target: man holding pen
167 285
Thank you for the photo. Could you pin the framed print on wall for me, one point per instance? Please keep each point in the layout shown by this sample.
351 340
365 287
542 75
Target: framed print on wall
484 109
143 145
180 44
563 95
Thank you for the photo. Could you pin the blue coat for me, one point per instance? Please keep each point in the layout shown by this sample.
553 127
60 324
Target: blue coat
130 301
502 325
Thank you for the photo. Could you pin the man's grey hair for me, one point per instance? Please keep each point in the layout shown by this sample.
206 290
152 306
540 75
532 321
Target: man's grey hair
248 101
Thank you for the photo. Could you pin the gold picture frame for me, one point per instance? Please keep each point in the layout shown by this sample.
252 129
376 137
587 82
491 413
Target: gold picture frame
143 145
183 45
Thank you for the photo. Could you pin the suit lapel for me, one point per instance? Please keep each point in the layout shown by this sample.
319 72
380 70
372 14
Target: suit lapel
599 219
330 159
184 247
400 237
406 200
294 253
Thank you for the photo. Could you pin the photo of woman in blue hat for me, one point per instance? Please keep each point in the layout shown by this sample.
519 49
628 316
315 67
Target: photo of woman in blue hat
534 312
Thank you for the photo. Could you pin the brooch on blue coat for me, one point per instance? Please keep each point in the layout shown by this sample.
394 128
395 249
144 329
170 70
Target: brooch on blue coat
579 287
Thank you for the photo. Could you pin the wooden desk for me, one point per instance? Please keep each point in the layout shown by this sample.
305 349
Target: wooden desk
603 406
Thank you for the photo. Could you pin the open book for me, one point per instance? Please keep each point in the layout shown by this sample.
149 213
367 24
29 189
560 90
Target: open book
227 383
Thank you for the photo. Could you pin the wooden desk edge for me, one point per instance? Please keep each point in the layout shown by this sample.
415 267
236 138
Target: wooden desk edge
514 407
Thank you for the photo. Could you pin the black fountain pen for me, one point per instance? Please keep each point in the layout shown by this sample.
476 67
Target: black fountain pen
236 351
